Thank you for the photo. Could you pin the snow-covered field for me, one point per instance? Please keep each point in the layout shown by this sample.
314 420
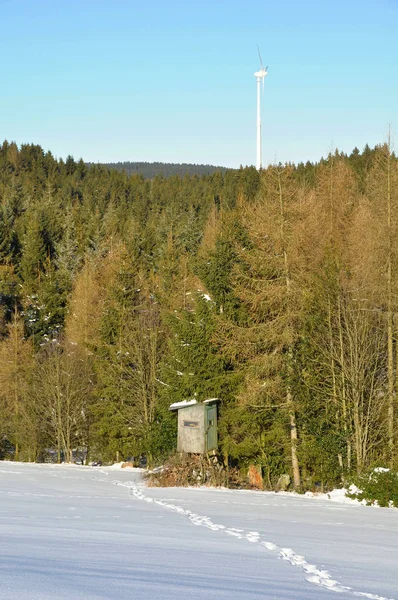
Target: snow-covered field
80 533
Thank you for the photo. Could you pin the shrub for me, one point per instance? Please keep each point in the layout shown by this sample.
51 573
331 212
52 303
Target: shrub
193 470
377 486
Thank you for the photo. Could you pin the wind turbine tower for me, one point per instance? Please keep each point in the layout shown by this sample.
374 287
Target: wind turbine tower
260 75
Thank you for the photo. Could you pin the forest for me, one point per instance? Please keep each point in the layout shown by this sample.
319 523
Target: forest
274 291
150 170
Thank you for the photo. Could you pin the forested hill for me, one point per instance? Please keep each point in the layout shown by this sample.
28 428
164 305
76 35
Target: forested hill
275 291
149 170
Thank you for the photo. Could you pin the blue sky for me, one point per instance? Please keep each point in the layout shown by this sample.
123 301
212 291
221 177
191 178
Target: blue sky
173 81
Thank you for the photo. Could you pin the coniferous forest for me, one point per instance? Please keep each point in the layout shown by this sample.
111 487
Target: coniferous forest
275 291
150 170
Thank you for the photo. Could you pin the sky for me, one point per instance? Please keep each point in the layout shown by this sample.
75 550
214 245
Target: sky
130 80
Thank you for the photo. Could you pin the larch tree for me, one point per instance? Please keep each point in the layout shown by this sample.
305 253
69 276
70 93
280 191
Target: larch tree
82 321
266 282
16 362
329 210
382 192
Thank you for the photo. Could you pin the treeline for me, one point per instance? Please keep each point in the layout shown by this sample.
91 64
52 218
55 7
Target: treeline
150 170
274 291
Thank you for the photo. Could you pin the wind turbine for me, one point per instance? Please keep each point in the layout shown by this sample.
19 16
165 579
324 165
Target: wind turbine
260 75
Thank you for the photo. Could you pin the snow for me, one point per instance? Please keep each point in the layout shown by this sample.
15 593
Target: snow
161 382
182 404
338 495
205 296
99 533
185 403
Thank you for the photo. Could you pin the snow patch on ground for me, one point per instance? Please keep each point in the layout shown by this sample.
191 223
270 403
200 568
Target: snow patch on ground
337 495
312 573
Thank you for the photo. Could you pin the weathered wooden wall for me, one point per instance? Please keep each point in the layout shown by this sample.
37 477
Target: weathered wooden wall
191 433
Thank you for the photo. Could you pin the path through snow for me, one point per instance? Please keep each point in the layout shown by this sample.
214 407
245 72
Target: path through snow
313 574
100 534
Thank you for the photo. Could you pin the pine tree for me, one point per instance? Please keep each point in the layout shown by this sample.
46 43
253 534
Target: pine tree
33 253
127 359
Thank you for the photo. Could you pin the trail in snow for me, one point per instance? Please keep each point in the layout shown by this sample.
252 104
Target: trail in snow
313 574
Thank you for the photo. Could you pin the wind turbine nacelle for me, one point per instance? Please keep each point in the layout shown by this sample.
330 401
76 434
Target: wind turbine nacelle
261 74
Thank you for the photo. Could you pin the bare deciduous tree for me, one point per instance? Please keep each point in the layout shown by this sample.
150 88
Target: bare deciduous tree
61 387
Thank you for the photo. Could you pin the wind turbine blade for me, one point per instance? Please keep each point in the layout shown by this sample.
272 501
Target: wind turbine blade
259 55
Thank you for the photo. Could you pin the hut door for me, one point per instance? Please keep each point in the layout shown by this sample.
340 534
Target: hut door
211 428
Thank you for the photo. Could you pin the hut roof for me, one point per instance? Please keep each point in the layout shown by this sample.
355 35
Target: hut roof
182 404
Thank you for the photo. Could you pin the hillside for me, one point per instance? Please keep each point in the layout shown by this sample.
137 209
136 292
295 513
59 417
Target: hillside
152 169
275 291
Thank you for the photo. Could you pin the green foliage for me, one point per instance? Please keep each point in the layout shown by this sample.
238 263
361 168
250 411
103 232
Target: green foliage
161 240
45 307
252 435
162 435
193 368
377 487
216 270
150 170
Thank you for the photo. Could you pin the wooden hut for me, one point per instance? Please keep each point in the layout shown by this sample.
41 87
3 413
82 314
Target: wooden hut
197 425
